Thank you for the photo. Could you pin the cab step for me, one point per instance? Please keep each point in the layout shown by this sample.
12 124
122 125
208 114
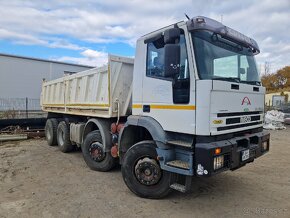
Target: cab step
180 143
179 164
176 160
186 187
178 187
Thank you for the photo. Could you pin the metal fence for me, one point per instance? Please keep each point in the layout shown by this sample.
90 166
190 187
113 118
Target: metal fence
19 104
20 108
284 107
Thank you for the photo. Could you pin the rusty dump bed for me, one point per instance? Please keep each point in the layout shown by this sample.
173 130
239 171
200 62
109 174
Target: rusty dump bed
98 92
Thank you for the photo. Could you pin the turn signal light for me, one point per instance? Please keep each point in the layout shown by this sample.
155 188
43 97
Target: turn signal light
217 151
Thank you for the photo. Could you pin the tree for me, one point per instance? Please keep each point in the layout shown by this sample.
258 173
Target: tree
284 74
277 81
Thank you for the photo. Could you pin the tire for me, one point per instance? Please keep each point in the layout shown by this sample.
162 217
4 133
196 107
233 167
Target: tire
63 137
132 157
51 131
106 163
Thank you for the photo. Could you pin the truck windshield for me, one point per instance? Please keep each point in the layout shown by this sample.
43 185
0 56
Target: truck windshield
221 59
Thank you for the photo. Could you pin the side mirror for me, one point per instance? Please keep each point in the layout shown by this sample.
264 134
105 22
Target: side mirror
171 36
171 60
242 71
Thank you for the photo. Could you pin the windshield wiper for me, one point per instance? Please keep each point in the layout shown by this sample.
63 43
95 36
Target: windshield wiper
232 79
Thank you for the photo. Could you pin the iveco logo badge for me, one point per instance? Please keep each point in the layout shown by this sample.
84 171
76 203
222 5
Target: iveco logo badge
246 101
245 119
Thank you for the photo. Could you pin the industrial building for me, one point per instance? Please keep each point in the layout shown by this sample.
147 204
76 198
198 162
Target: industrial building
21 79
276 99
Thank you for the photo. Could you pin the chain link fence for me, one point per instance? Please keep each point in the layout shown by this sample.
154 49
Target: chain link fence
284 107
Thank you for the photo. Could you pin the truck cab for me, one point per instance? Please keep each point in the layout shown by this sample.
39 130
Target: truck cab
197 93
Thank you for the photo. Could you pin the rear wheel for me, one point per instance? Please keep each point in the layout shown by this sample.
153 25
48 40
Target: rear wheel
142 173
94 153
51 131
63 137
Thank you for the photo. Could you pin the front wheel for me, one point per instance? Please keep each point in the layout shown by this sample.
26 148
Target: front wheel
142 173
94 153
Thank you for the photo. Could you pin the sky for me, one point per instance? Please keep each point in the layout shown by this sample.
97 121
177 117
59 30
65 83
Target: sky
85 31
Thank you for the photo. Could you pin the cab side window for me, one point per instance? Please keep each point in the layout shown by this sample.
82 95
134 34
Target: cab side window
155 59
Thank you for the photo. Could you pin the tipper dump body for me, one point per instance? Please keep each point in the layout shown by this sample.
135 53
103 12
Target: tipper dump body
98 92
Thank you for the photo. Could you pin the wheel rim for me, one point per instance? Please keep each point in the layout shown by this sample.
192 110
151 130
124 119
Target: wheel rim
147 171
96 151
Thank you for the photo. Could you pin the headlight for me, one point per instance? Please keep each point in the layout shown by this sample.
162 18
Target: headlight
265 145
218 162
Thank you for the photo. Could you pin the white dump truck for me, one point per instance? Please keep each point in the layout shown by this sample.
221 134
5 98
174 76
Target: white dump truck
190 104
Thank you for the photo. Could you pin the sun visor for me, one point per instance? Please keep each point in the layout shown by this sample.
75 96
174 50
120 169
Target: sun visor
204 23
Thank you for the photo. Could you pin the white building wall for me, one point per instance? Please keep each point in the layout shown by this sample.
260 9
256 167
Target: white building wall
22 77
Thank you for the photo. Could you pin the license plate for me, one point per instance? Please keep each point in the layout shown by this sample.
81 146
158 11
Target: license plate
245 155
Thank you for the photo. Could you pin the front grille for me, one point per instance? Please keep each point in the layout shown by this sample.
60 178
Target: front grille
238 126
238 113
238 119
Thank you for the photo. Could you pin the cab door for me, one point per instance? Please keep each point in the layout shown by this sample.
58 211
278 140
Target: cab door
168 99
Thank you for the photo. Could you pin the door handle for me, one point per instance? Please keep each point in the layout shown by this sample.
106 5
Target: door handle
146 108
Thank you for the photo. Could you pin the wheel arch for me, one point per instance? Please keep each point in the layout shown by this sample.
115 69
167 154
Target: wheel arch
103 125
138 128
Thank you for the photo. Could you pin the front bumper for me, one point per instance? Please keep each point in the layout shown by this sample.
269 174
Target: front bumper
232 151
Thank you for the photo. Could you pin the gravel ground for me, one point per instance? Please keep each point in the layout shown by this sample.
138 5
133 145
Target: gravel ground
39 181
